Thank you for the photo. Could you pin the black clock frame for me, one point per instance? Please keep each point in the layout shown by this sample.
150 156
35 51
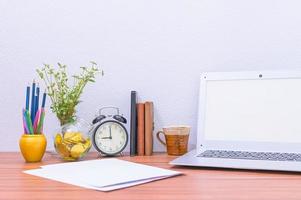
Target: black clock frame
94 133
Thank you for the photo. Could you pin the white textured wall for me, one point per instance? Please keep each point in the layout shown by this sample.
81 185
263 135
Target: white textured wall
156 47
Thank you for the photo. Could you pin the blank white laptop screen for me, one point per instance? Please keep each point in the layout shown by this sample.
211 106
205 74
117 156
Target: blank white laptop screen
266 110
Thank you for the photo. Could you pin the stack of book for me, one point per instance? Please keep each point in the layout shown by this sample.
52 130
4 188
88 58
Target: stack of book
142 127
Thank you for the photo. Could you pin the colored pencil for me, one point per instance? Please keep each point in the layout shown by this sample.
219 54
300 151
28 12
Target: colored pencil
36 121
27 97
28 122
37 99
44 100
36 108
33 116
26 131
41 121
32 110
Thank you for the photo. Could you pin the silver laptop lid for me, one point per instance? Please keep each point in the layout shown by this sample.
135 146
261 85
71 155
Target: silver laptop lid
251 111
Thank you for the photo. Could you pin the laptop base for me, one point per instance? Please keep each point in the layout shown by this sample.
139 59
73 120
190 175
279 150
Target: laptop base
191 159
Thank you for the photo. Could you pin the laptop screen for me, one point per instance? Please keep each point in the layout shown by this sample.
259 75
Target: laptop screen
262 110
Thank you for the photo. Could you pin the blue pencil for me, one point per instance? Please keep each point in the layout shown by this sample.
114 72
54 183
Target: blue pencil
32 110
44 100
37 99
36 106
27 97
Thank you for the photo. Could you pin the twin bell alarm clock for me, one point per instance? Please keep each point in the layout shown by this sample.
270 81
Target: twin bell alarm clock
109 137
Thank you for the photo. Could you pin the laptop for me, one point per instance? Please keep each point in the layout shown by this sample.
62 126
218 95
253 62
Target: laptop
248 120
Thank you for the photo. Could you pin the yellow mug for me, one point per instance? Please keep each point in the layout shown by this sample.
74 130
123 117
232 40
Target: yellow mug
33 147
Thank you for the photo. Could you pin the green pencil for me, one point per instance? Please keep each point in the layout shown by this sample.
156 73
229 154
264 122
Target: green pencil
41 121
28 121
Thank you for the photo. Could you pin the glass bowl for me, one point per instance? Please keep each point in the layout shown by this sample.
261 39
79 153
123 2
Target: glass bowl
72 141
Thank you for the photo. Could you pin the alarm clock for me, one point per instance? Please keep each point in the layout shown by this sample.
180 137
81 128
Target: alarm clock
109 137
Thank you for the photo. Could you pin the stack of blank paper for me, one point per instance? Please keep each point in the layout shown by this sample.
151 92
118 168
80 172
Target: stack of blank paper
104 175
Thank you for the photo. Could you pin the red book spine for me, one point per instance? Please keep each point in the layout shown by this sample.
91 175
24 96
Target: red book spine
140 129
149 128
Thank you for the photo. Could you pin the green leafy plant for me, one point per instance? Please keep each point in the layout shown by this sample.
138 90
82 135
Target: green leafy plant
64 97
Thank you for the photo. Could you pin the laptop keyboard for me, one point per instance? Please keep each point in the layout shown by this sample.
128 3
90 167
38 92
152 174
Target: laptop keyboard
251 155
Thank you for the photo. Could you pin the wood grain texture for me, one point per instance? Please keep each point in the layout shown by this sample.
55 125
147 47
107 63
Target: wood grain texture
196 183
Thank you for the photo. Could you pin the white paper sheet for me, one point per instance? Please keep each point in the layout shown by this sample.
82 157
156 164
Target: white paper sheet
104 174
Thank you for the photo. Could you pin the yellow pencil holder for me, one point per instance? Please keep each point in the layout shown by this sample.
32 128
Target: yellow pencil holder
33 147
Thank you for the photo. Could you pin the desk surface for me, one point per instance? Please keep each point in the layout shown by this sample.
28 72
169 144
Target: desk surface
197 183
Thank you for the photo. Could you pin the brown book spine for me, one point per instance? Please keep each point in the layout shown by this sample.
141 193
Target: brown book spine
140 128
149 127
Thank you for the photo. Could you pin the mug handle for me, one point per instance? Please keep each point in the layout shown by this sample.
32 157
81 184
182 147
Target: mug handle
158 137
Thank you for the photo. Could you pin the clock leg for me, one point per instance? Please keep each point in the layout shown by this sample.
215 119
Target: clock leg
99 155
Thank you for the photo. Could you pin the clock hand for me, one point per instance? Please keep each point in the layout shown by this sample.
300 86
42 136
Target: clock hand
110 132
106 138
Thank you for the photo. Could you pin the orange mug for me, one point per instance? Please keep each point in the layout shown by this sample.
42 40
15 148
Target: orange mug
176 138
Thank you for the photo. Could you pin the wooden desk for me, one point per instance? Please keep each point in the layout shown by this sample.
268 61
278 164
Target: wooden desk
197 183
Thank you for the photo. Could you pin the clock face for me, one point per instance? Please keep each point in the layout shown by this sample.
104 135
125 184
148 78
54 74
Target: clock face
110 138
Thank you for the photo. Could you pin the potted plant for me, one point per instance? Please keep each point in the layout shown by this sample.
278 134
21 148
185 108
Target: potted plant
72 141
